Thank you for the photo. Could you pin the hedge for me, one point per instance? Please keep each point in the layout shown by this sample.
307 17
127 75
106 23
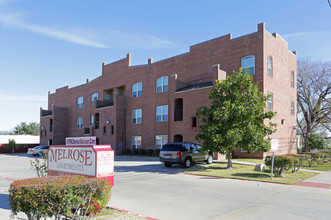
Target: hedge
281 163
301 159
59 196
315 157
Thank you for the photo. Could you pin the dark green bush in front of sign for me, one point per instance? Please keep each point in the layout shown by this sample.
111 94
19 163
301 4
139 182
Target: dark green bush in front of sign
59 196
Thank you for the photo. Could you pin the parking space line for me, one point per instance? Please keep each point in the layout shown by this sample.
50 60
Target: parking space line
7 178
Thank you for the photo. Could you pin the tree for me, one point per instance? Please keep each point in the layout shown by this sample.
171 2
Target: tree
24 128
12 145
236 117
314 101
317 142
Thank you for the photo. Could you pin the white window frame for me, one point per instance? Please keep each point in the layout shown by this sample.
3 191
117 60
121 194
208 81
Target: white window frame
163 110
270 101
92 120
80 123
80 102
135 142
160 140
270 72
137 89
292 107
94 95
292 79
245 66
162 84
137 116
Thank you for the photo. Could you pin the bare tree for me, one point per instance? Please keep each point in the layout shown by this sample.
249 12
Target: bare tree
314 101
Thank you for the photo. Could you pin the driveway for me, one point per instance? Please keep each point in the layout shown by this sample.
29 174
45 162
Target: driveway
145 186
150 189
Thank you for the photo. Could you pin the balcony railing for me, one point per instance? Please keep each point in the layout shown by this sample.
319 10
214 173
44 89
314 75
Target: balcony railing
46 113
88 130
104 103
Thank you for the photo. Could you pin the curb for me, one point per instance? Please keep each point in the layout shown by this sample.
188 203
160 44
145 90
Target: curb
133 213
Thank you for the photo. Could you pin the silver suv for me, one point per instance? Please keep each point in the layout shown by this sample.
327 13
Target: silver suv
184 153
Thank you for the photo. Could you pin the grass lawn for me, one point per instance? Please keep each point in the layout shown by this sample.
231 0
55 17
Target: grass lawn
247 172
108 213
321 167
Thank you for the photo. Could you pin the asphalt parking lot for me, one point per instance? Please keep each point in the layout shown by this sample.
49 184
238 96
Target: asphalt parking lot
145 186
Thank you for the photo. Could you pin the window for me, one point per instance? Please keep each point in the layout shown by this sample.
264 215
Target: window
80 102
162 84
248 63
162 113
178 114
50 125
104 129
160 140
270 101
137 116
292 79
269 66
178 138
112 129
194 123
94 96
52 106
137 89
97 119
92 121
135 142
79 123
292 108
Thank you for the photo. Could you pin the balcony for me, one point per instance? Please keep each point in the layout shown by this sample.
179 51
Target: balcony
46 113
88 130
104 103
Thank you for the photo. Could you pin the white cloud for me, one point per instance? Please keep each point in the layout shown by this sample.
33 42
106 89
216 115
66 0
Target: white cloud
113 38
136 41
16 21
23 98
311 44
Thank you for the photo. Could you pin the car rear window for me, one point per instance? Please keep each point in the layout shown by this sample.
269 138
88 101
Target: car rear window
173 147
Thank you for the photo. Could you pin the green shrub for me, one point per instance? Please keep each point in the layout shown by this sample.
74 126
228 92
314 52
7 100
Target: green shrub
149 152
142 151
127 152
12 145
315 157
327 155
297 164
58 196
135 151
281 163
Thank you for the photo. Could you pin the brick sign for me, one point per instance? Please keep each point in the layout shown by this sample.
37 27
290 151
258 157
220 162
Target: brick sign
89 160
81 140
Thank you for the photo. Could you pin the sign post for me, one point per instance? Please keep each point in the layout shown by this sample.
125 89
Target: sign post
274 147
87 160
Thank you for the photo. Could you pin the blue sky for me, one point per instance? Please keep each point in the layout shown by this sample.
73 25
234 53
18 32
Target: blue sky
45 45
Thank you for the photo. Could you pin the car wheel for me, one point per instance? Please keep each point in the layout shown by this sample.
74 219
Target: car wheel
209 159
187 162
167 164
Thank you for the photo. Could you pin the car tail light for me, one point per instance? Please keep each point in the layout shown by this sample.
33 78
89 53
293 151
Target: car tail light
179 154
32 150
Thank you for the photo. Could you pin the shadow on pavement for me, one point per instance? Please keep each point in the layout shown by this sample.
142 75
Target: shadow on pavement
154 168
4 201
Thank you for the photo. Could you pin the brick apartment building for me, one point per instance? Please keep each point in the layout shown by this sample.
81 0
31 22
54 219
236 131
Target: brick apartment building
148 105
